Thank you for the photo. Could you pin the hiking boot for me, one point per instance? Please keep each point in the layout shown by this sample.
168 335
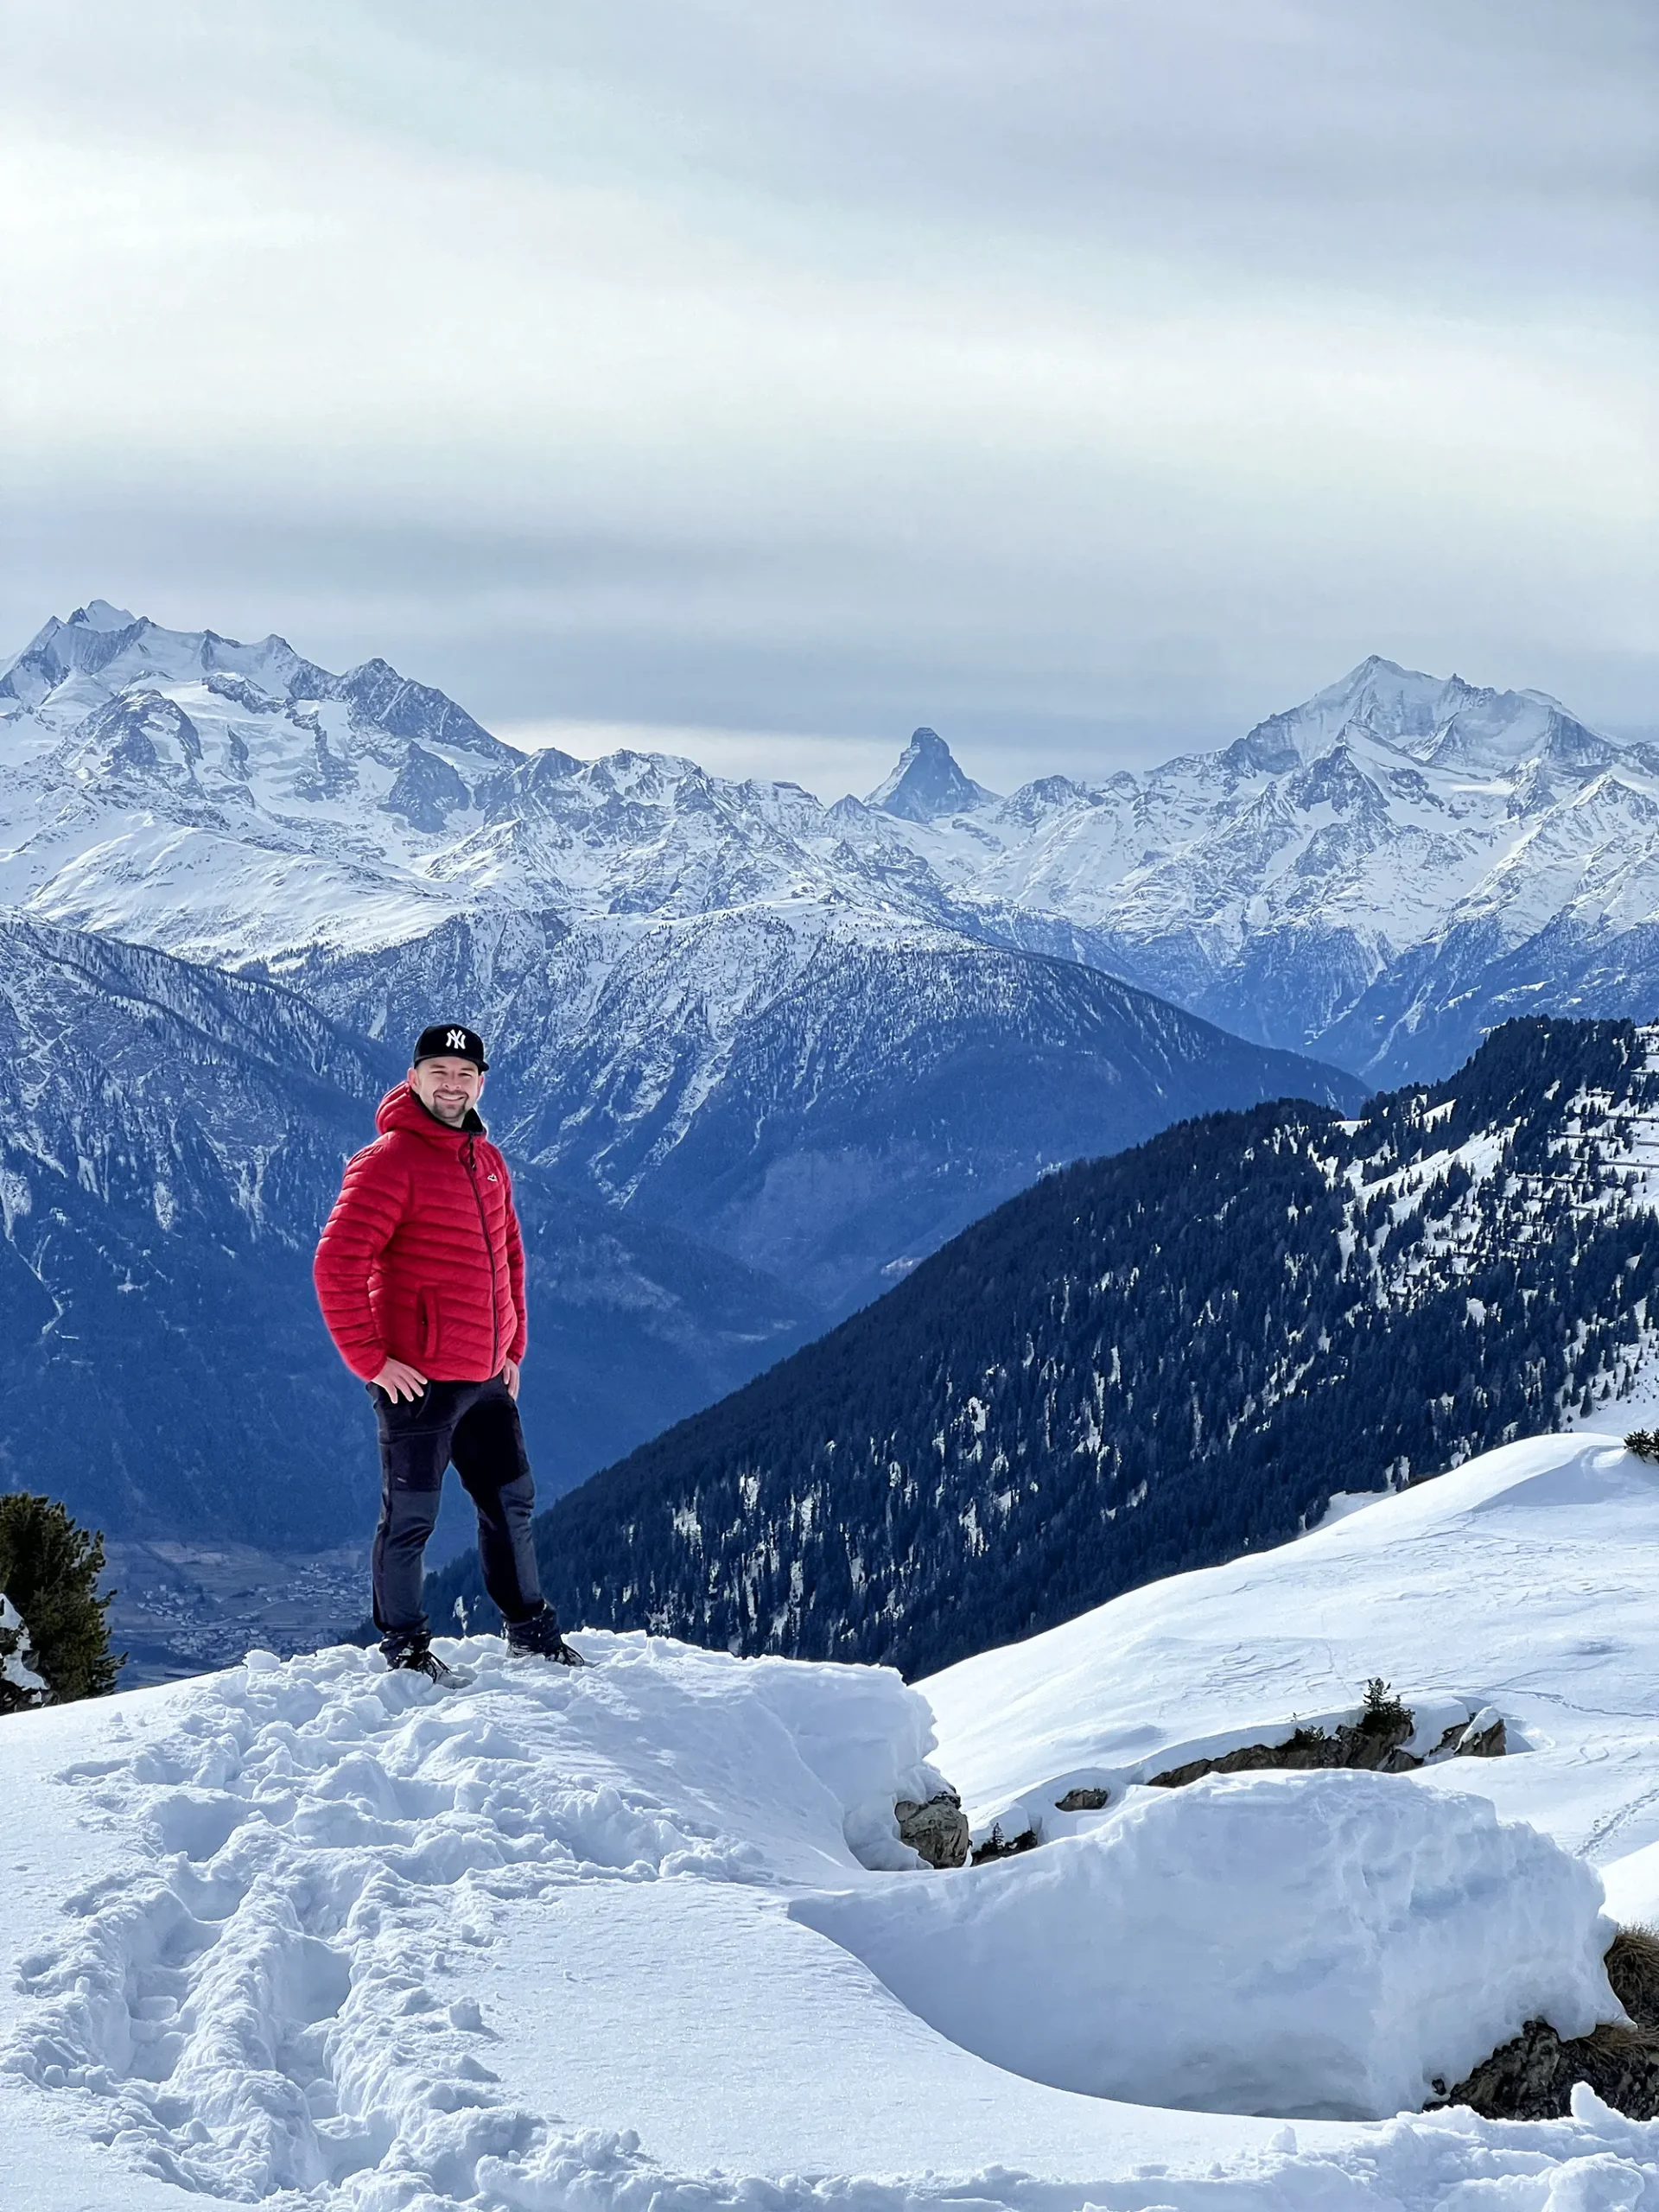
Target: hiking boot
540 1634
414 1654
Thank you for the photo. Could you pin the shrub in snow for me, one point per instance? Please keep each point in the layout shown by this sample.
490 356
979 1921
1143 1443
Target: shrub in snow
1322 1946
49 1569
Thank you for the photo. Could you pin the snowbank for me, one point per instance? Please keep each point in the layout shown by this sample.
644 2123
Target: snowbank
1632 1886
315 1836
1320 1946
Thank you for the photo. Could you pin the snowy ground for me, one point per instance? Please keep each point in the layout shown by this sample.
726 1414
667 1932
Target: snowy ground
1526 1580
310 1934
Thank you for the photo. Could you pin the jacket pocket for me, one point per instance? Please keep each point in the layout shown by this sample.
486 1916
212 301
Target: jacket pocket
426 1321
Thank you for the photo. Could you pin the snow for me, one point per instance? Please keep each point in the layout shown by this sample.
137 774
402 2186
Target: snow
1526 1581
1319 1945
1632 1887
644 1936
16 1652
98 614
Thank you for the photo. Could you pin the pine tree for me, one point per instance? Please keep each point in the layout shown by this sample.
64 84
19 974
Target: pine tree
49 1568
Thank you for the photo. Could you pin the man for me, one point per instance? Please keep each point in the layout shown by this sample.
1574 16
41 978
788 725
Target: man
420 1273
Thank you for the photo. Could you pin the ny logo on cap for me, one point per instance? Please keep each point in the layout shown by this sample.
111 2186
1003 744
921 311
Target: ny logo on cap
456 1041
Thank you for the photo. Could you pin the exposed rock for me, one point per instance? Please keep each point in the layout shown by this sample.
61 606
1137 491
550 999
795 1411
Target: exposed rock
998 1846
936 1829
1082 1800
426 791
1376 1742
1484 1739
1531 2077
1377 1747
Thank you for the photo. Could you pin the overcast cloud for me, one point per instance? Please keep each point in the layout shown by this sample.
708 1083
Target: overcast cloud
1088 379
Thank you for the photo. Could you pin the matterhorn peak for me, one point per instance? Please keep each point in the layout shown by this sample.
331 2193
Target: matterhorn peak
927 782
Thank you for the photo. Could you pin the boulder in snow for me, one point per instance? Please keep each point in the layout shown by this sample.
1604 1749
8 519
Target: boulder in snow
1533 2076
1485 1737
936 1830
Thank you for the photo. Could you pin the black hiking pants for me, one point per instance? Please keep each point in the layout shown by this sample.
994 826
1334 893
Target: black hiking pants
475 1426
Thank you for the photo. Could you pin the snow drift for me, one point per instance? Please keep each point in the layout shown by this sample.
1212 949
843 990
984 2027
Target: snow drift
1322 1946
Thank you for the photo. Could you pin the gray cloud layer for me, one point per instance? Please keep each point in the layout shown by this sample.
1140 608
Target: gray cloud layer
1085 378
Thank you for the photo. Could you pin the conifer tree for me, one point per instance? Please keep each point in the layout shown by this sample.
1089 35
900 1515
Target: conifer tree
49 1568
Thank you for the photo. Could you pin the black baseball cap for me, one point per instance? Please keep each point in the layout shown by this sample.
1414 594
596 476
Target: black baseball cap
449 1040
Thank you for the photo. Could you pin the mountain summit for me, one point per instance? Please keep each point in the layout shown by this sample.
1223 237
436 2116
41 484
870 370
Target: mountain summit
927 783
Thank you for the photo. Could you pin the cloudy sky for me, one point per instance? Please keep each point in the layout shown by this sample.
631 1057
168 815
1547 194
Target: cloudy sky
1087 378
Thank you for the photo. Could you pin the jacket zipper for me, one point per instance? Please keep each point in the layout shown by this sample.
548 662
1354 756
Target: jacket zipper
467 1159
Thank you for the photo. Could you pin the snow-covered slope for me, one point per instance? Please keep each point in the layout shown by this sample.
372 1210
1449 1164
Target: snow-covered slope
313 1934
1525 1582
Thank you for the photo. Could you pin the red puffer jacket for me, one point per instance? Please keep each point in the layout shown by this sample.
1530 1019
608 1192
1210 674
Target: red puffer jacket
421 1259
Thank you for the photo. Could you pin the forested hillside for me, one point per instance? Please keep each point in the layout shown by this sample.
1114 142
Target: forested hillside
1151 1363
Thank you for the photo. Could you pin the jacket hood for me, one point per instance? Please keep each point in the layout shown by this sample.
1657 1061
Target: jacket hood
401 1110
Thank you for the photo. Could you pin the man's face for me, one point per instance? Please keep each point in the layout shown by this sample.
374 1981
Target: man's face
447 1087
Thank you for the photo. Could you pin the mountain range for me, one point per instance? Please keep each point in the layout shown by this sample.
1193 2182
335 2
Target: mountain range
1374 877
755 1056
1153 1362
707 1004
1377 876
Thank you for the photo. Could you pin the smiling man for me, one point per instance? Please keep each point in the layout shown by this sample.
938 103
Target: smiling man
420 1273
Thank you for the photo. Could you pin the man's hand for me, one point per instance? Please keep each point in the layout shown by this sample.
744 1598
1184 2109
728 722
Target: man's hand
396 1376
509 1376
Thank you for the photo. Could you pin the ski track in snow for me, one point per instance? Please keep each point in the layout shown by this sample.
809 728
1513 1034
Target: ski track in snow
273 1996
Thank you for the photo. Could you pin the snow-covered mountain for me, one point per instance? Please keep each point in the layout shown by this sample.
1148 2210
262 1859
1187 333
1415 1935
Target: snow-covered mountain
1152 1362
713 1006
1375 876
646 1935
